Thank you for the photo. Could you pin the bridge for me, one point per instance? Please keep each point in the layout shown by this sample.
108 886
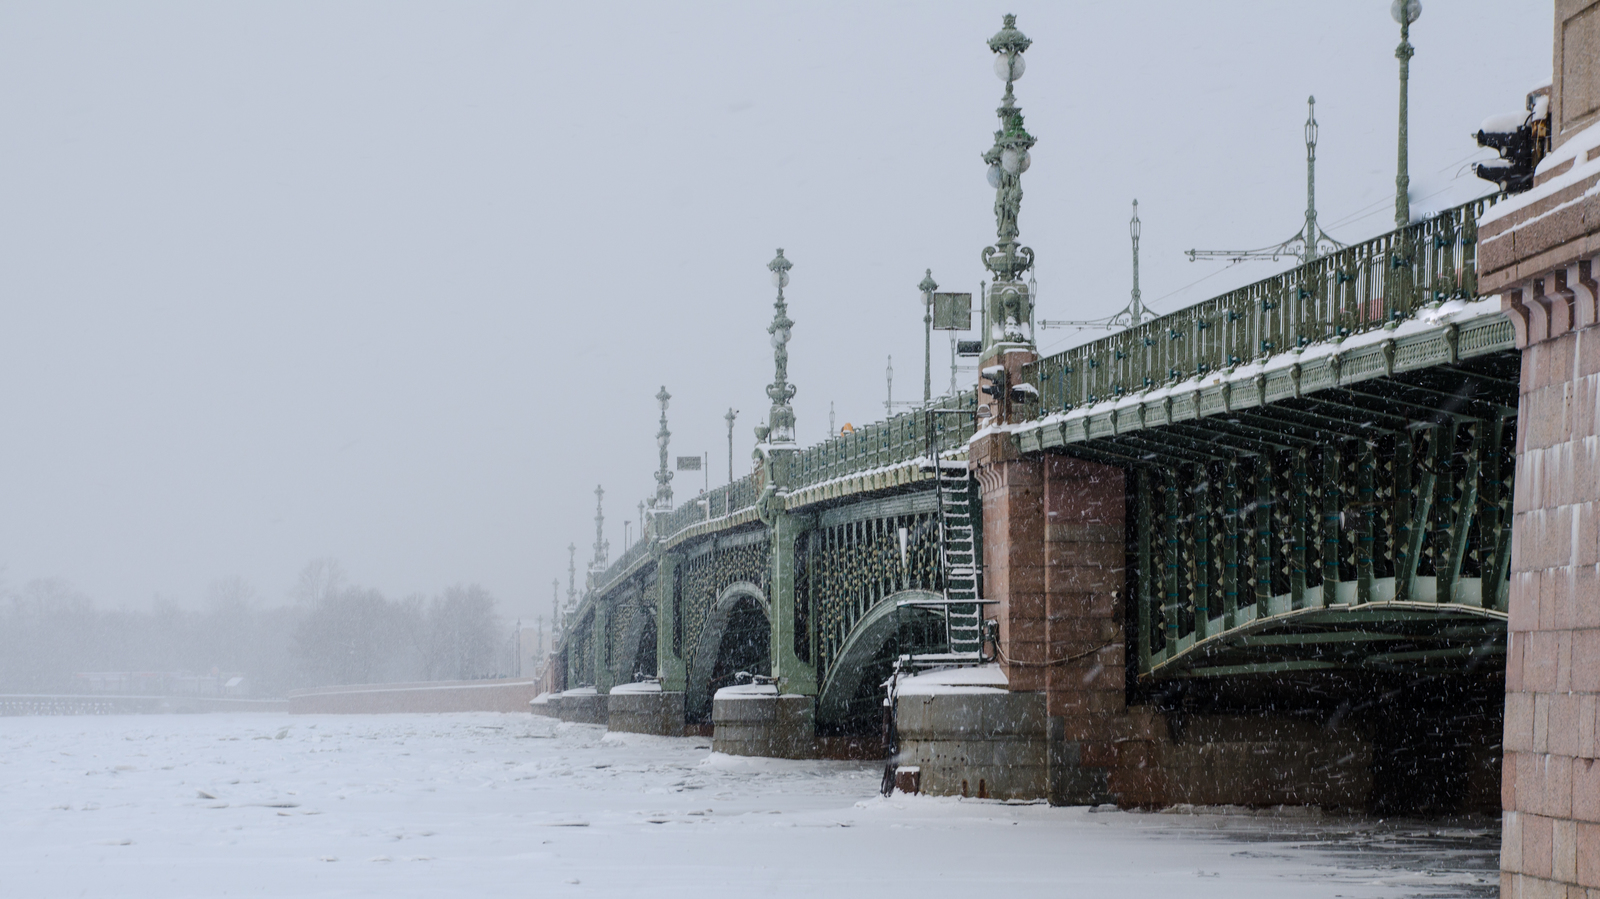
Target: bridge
1256 551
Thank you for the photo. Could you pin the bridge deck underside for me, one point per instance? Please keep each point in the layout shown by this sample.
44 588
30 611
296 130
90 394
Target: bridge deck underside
1361 527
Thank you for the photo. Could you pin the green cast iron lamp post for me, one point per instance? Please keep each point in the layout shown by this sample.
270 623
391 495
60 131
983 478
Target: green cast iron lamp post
928 286
1405 12
1010 301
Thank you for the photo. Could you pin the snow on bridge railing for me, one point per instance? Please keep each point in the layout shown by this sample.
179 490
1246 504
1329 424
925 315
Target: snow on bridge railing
901 439
882 444
717 503
1371 285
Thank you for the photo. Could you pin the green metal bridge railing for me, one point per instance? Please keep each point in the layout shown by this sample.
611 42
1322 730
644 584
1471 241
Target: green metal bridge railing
901 439
1361 288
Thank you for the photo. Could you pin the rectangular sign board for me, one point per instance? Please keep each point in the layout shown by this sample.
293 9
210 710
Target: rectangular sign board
688 463
952 312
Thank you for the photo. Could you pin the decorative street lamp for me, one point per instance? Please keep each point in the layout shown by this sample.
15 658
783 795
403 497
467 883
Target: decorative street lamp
602 546
572 576
1010 303
928 286
1135 305
555 610
662 501
1311 180
732 414
1405 12
780 419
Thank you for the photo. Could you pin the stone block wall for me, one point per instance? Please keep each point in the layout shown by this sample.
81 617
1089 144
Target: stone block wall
781 727
1551 777
583 707
989 744
1254 760
659 713
1054 537
442 696
1084 555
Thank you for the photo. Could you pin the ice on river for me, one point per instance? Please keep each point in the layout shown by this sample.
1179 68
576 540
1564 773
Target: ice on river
489 805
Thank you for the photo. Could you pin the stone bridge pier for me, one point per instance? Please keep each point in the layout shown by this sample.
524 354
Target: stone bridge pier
1541 254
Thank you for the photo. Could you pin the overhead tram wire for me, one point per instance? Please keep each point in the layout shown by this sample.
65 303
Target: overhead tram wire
1149 304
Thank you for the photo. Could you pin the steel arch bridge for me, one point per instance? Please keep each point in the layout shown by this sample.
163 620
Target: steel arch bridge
1318 467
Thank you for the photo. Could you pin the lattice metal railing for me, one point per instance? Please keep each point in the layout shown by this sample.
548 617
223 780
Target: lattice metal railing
901 439
1360 288
882 444
856 565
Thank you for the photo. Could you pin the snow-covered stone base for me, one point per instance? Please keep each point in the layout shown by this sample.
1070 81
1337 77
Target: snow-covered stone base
754 720
645 711
972 737
582 706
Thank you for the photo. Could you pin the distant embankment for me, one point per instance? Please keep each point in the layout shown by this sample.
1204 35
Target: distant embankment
101 704
508 695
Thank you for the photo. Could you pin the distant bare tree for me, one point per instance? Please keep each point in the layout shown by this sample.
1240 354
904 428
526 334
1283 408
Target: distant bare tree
462 639
355 636
321 579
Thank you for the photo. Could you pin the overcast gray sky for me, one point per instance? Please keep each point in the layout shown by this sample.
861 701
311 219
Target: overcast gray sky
397 282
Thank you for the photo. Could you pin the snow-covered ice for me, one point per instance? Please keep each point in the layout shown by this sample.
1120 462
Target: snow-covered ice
488 805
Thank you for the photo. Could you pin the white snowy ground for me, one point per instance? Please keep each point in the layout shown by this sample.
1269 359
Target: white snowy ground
487 805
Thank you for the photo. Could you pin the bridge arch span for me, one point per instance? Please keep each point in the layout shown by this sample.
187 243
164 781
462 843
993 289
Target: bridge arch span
638 655
736 637
850 695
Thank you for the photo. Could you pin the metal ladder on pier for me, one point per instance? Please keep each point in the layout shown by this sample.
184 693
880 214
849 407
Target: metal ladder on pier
960 607
959 549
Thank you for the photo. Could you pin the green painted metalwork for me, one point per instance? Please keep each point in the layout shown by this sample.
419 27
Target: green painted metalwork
1230 543
855 565
1405 12
1261 572
1366 287
1008 158
1171 612
1145 524
1200 518
703 577
1366 509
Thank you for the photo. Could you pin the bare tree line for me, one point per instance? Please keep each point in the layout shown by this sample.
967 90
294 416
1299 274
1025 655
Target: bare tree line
330 632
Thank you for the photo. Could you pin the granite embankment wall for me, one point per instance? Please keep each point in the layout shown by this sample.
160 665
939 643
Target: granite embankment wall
509 695
107 704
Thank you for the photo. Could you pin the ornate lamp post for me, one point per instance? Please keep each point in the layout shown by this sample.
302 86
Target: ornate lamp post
602 546
778 453
1405 12
780 419
1135 304
928 286
572 577
1311 179
729 417
1009 301
555 611
662 501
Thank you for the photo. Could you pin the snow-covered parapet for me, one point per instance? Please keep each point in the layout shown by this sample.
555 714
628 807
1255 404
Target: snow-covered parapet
748 691
641 687
950 681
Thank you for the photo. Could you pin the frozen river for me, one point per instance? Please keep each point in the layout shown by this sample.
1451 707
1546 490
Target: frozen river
487 805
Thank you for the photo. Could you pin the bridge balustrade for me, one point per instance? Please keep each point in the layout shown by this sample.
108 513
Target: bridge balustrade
899 439
1371 285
